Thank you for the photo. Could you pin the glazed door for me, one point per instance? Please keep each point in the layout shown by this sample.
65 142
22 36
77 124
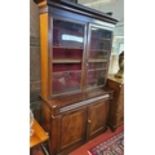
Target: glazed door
67 55
97 118
98 52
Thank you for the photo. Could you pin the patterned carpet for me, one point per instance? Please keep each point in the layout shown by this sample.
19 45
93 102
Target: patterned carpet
113 146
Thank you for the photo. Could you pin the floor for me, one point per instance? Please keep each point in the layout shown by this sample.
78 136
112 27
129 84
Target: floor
106 135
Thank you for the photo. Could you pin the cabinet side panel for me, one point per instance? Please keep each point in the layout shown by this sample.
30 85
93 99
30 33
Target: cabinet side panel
45 116
116 114
55 134
44 54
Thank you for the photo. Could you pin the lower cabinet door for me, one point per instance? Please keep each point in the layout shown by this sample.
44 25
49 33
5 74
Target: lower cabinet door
97 118
73 129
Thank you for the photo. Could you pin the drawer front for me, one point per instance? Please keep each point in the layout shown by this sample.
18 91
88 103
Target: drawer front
87 102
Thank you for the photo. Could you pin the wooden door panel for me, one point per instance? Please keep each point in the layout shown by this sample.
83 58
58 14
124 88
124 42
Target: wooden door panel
73 128
98 114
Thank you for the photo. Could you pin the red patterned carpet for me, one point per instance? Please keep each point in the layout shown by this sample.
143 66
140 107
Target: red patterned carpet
114 144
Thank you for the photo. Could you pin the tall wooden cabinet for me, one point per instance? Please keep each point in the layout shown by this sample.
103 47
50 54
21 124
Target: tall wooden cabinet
75 50
116 113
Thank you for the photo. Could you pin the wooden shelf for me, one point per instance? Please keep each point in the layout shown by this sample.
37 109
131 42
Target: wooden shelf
62 61
97 69
64 47
97 60
66 92
104 39
59 72
98 49
94 87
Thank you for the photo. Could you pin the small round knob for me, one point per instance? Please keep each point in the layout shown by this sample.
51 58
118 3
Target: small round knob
89 121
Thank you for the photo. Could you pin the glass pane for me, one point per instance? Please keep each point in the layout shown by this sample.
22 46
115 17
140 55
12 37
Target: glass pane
100 46
98 54
99 33
97 66
68 34
100 39
66 81
96 78
68 43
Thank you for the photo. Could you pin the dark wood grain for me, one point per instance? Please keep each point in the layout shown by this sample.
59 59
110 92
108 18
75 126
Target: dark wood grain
73 128
79 9
116 114
55 132
63 101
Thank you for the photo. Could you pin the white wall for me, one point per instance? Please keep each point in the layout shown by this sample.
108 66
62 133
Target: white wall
115 6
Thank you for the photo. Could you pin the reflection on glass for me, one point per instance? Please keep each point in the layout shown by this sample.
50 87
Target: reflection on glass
101 33
68 34
100 39
72 38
